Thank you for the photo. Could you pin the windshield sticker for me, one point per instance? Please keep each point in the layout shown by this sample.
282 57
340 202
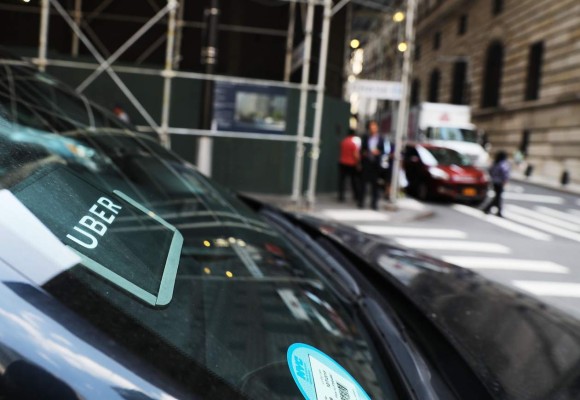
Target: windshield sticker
319 377
115 236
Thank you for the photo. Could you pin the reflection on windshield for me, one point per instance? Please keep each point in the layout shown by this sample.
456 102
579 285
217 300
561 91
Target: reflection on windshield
433 156
450 133
242 293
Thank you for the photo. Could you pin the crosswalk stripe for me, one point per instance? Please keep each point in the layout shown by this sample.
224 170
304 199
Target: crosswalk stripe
555 289
455 245
404 231
573 211
543 217
508 264
536 198
503 223
356 215
559 214
515 189
525 219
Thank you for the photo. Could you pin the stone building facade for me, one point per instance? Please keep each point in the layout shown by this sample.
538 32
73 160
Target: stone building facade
517 64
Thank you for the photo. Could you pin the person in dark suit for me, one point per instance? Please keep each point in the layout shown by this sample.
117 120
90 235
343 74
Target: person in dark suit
371 152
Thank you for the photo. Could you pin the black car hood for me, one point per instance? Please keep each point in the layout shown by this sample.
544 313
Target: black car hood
520 347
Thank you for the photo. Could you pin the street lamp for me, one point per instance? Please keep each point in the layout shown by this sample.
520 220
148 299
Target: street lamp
402 47
403 112
399 16
354 44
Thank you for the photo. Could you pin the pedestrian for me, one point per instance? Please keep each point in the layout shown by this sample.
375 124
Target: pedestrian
387 165
348 165
500 173
371 153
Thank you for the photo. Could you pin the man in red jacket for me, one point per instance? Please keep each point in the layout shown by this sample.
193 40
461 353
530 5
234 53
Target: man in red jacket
348 165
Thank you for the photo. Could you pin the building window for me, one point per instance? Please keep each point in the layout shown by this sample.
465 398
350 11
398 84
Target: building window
534 76
492 75
415 90
459 88
462 27
434 86
417 52
525 142
497 6
437 41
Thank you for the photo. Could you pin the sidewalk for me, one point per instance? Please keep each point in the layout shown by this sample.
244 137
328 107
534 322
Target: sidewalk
549 183
328 207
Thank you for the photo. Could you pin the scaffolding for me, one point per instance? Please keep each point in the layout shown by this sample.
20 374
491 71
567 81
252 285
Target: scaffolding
171 13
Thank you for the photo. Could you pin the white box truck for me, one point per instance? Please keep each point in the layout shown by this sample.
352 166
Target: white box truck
448 125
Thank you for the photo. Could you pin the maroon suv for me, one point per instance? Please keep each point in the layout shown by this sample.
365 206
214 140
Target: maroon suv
439 172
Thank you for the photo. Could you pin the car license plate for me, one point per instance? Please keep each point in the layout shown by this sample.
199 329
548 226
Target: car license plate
469 192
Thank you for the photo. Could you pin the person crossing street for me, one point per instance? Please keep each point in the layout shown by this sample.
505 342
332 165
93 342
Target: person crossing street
500 173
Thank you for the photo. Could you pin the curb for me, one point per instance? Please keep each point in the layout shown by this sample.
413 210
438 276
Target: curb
420 216
401 213
546 185
425 215
424 212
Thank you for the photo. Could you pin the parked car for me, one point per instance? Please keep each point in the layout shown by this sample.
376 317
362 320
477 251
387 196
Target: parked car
440 172
126 274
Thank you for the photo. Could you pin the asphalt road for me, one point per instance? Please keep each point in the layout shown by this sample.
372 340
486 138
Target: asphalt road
535 248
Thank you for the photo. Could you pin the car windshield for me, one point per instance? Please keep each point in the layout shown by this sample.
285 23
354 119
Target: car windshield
240 295
451 133
433 156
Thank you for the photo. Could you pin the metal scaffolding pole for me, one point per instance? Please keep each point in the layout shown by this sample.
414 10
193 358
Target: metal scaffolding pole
299 158
319 102
339 7
152 48
78 13
101 60
290 42
43 36
180 74
179 35
168 74
403 115
136 36
209 55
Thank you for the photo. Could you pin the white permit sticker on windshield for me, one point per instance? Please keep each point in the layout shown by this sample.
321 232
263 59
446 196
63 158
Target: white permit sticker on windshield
319 377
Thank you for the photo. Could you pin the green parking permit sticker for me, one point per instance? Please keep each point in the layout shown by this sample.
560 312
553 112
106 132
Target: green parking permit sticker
116 237
319 377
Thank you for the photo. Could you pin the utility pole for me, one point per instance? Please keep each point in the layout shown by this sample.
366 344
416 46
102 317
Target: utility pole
209 56
303 106
403 115
324 42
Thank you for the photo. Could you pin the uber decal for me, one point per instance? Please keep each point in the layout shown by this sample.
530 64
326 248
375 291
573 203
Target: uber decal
116 237
89 225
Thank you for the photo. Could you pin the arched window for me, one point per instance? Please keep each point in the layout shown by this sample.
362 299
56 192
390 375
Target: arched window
415 89
492 75
434 86
459 88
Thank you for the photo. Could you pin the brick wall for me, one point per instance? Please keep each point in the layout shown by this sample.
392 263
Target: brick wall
553 120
